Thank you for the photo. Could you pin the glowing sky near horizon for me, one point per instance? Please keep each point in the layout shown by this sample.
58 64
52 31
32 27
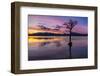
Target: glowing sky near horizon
51 22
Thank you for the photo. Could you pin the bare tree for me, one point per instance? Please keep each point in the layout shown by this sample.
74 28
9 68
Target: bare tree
69 25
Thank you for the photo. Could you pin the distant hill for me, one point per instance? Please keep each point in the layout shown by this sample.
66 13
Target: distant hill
53 34
78 34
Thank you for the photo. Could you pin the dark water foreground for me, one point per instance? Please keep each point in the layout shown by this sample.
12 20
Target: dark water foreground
52 47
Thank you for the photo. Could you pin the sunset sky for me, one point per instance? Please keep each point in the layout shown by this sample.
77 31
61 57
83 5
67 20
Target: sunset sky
35 21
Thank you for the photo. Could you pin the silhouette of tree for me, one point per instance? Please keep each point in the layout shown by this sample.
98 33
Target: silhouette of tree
69 25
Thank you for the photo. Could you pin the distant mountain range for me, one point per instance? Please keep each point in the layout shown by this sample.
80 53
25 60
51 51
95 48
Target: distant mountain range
53 34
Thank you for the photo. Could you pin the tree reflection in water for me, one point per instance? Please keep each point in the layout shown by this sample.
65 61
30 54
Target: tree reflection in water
50 47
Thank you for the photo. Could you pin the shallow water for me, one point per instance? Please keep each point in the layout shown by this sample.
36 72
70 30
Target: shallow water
56 47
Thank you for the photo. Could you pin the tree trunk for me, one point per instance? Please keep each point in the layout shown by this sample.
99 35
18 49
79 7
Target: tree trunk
70 36
70 44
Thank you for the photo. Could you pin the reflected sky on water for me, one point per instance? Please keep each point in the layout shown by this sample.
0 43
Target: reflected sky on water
55 47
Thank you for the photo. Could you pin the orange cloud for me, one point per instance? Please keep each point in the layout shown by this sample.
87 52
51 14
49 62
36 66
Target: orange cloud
35 30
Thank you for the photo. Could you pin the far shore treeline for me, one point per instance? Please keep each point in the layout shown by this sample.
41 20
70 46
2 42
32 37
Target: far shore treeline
54 34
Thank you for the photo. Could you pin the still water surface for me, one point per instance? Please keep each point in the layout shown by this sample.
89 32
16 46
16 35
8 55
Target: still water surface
55 47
